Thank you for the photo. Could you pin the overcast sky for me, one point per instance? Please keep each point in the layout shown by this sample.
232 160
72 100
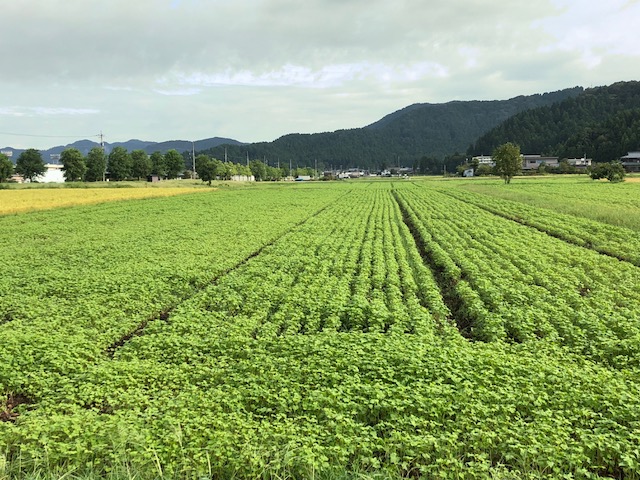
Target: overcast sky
254 70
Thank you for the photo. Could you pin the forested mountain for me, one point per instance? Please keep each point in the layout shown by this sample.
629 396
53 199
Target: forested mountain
85 145
602 123
433 130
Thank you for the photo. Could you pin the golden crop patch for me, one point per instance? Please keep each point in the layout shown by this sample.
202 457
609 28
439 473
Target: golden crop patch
17 201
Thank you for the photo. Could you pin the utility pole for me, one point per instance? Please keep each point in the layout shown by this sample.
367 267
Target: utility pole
247 158
193 156
104 172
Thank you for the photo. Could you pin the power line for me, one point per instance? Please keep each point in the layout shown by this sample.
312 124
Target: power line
48 136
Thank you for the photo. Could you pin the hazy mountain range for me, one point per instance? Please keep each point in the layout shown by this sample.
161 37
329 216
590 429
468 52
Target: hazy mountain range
602 122
85 145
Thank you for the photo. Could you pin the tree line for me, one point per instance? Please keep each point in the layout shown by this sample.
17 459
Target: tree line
96 166
121 164
210 168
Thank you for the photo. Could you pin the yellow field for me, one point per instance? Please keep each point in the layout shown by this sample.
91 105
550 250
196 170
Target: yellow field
17 201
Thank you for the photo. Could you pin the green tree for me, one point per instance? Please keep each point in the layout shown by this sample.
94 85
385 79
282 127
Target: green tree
140 164
6 168
174 163
258 169
96 165
272 173
428 166
483 170
30 164
451 162
158 164
74 165
243 170
508 161
226 170
612 171
206 168
120 164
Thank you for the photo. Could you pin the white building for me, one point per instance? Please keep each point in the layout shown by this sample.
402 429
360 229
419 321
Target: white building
484 160
533 162
52 174
583 162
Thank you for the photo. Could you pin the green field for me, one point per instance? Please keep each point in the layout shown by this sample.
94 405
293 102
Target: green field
388 329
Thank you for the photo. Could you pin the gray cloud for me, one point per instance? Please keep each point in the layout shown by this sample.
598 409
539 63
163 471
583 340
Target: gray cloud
257 69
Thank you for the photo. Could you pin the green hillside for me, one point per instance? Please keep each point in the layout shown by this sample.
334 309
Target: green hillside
602 122
433 130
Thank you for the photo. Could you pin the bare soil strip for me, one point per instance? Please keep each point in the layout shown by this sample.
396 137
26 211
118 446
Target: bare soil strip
447 291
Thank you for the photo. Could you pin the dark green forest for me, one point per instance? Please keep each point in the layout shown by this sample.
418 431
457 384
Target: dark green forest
426 133
602 123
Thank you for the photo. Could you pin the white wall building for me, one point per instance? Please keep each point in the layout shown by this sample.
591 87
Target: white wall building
484 160
53 174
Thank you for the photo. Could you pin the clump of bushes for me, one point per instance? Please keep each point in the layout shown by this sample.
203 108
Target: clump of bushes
612 171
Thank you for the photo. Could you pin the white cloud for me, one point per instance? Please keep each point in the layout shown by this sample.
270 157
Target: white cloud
17 111
180 92
593 30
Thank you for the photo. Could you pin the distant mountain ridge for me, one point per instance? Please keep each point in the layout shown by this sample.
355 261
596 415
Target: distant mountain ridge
134 144
601 122
433 130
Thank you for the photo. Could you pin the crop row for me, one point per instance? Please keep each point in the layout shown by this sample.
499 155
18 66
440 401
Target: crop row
352 268
516 283
83 278
615 241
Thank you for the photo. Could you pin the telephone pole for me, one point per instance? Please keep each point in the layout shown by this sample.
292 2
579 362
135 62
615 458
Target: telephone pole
104 172
193 156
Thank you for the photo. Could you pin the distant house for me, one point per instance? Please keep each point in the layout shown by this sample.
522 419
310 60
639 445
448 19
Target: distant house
533 162
468 172
631 162
484 160
579 163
